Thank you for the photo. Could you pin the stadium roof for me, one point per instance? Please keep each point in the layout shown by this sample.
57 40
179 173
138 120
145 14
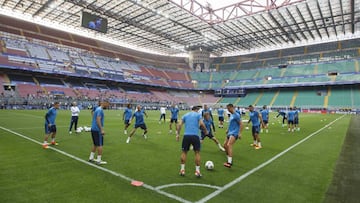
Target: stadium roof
172 27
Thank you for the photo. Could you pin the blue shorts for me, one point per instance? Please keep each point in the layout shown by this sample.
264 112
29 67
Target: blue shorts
265 122
97 138
236 136
126 122
296 121
221 118
142 126
174 120
290 122
255 129
188 140
50 129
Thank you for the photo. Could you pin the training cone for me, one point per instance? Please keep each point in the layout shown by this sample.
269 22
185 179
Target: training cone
137 183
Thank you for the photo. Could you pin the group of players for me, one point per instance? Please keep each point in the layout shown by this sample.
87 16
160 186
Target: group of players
198 119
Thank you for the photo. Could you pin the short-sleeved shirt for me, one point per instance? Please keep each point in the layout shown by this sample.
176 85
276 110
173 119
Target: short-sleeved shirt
208 111
265 114
208 124
254 118
97 113
127 114
174 113
291 115
220 112
191 121
139 117
51 116
234 126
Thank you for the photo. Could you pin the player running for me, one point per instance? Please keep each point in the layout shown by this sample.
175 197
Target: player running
233 133
256 120
139 122
126 117
192 121
50 126
210 124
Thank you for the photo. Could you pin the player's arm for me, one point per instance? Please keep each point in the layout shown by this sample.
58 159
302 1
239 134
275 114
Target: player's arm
178 129
98 123
203 127
213 126
261 121
241 129
47 118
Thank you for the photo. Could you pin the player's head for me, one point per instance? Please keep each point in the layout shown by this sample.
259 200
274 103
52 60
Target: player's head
205 106
138 107
56 105
195 108
73 104
251 108
173 105
291 108
104 103
128 105
230 108
207 115
264 107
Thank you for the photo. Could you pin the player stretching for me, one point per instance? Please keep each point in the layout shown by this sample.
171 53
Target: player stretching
98 133
208 124
256 120
233 133
192 121
265 117
139 122
126 117
283 114
174 117
221 112
50 126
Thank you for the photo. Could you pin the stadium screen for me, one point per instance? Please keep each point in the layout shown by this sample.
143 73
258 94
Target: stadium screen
94 22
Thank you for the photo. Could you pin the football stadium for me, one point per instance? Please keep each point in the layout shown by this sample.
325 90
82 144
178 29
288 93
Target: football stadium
273 84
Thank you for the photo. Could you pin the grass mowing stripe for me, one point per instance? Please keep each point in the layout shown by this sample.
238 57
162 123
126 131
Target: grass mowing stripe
99 167
242 177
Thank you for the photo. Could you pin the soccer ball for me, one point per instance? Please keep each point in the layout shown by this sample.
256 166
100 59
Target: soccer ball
209 165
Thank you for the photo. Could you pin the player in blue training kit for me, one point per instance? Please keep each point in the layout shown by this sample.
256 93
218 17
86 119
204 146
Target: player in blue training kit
221 112
98 133
126 117
139 122
265 117
233 133
192 121
210 124
174 117
50 125
291 118
296 119
206 109
283 114
256 120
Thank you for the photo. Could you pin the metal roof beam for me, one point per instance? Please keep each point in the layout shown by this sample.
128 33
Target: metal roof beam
291 30
322 18
352 10
43 7
295 23
332 17
282 29
342 16
306 25
313 20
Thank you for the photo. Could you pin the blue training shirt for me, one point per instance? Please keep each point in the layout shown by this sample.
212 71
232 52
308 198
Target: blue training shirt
139 117
208 124
254 118
97 113
127 114
191 121
174 113
234 126
51 116
291 115
220 112
265 114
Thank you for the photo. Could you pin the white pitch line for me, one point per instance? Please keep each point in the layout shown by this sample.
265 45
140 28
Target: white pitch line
187 184
99 167
242 177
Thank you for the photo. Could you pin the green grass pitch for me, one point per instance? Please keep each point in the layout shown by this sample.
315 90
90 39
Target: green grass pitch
29 173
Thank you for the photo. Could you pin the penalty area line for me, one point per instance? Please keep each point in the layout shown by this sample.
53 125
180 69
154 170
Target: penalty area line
169 195
242 177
